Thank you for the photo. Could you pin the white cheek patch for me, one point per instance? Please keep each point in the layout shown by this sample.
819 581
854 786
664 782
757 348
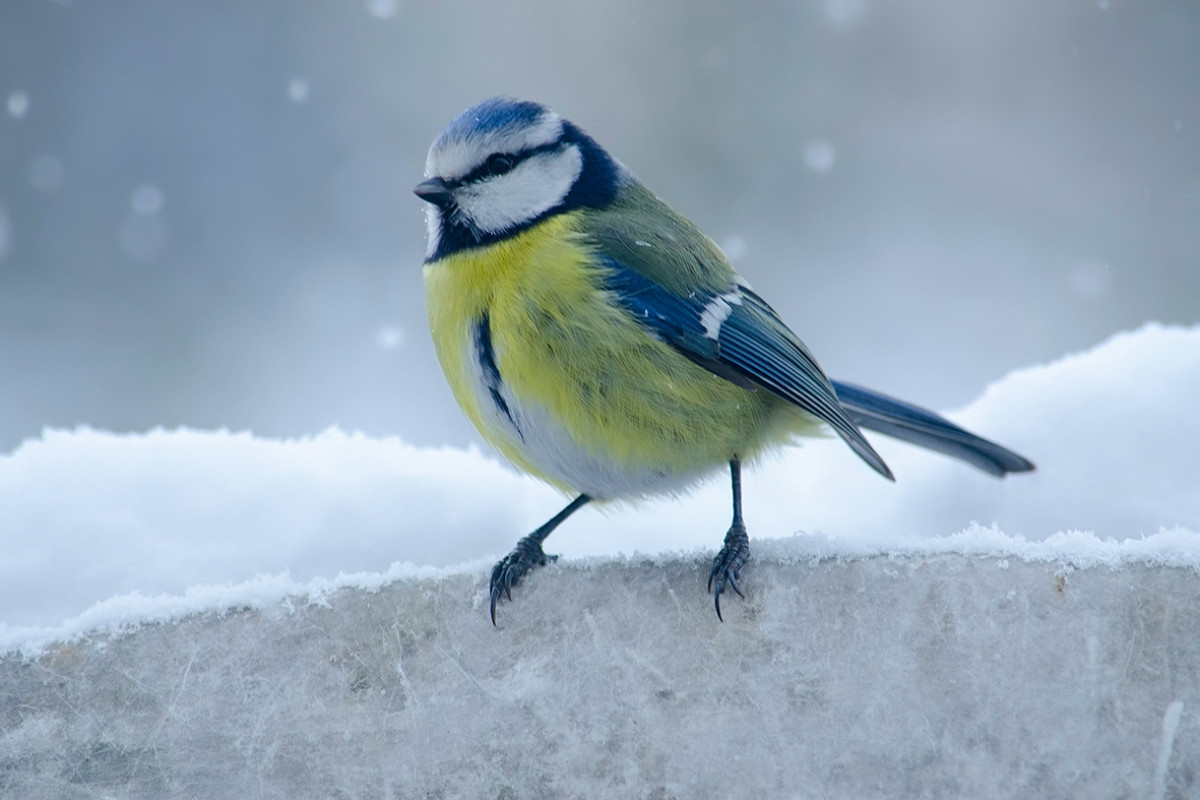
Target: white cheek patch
534 186
453 159
717 311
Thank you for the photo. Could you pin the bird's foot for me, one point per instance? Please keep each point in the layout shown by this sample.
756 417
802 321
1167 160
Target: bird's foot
728 564
509 570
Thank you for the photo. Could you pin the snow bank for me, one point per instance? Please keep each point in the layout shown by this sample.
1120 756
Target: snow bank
99 529
947 636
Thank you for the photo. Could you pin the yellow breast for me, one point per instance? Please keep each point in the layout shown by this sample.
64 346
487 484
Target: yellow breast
593 402
515 284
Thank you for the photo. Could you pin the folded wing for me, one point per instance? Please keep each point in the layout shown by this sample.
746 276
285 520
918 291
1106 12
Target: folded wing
736 335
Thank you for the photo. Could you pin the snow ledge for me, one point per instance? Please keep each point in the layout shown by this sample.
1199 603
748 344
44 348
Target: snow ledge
842 674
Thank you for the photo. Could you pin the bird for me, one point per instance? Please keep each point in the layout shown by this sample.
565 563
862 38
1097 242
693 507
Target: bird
600 341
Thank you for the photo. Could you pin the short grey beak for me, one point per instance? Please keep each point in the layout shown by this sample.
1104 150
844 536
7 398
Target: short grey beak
434 191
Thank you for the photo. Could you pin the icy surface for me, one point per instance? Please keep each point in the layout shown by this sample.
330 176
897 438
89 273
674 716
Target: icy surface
99 529
940 677
210 614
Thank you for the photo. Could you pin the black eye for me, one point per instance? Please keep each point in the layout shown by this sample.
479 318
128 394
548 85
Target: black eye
498 163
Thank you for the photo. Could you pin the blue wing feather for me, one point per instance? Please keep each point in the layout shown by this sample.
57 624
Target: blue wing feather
878 412
666 273
752 348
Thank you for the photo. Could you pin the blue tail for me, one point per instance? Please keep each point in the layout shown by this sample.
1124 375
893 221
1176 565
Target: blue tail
878 412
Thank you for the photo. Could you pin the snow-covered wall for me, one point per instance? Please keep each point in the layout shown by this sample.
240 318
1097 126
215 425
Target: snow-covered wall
88 516
212 614
944 676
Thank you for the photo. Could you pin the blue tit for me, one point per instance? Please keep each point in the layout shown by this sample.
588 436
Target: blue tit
601 342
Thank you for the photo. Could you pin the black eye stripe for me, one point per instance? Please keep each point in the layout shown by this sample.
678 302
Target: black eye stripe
484 169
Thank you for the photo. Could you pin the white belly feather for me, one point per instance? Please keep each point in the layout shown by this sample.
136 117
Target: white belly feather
526 426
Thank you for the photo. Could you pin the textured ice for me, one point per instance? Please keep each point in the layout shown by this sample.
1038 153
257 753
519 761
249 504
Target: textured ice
212 614
943 676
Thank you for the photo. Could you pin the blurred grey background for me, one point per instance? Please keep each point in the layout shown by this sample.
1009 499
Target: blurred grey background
206 217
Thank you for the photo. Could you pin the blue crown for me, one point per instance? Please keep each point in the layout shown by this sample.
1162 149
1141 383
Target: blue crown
491 115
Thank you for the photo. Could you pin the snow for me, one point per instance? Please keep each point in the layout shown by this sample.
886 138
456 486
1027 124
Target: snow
297 90
880 677
17 104
383 9
209 614
100 531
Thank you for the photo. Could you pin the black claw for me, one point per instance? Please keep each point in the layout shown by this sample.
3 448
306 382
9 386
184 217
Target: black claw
727 565
509 570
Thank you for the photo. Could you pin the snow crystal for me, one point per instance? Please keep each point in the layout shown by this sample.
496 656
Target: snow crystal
298 90
17 104
382 9
389 337
819 155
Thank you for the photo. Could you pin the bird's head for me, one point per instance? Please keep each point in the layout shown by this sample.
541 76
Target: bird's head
504 165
